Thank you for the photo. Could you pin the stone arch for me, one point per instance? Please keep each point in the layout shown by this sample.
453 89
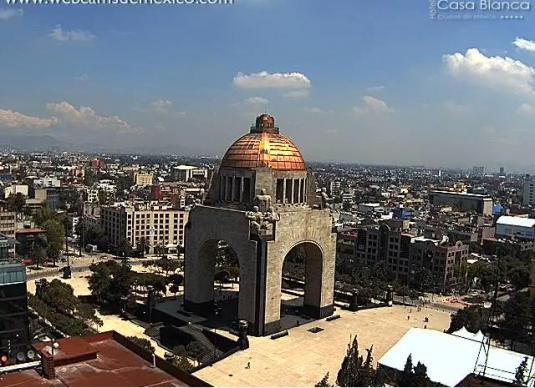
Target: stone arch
313 275
202 234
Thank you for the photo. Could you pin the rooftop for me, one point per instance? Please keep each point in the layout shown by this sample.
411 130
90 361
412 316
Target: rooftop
455 193
516 221
106 359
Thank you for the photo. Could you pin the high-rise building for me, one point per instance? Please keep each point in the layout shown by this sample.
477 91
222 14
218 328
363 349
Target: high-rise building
335 188
502 171
478 171
529 191
156 223
14 323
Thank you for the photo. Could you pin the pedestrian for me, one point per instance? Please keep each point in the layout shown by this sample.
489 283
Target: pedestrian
248 366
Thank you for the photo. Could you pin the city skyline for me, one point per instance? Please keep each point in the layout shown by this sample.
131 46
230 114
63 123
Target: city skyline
351 83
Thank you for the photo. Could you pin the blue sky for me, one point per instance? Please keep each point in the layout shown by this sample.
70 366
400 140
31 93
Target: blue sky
360 81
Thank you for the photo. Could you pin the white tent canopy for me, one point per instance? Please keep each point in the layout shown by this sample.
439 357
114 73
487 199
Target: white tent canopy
450 358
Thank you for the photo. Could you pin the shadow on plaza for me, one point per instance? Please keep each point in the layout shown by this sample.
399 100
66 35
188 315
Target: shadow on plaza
225 312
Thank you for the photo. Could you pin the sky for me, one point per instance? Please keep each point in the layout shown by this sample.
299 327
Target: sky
362 81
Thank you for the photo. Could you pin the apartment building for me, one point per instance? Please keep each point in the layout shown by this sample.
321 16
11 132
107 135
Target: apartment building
442 259
387 245
404 255
143 179
157 223
8 221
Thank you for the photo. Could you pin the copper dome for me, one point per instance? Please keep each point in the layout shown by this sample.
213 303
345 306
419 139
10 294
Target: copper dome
264 146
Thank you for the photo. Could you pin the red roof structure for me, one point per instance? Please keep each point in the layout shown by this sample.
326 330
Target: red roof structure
106 359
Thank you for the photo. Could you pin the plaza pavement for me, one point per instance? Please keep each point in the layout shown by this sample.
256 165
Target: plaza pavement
303 358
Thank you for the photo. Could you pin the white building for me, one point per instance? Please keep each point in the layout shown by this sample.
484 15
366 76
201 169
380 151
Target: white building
158 224
47 181
335 188
143 179
519 227
370 207
529 191
16 189
185 173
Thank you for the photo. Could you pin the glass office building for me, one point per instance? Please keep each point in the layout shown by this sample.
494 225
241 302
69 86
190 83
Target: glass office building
14 322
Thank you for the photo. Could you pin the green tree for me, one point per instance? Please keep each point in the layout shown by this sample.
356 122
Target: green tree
55 237
88 313
111 283
520 374
39 254
142 247
324 382
124 249
474 318
45 214
406 377
16 202
196 351
57 294
516 318
414 376
180 359
356 371
142 342
519 276
420 378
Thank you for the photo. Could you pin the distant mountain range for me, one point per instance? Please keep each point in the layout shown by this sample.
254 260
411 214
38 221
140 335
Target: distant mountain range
30 142
25 142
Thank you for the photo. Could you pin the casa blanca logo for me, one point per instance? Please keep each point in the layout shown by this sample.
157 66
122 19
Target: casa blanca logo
481 9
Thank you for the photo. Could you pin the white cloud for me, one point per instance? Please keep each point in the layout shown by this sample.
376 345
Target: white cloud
526 109
265 80
372 105
82 77
303 93
455 108
501 73
524 44
61 35
315 109
256 101
10 13
87 117
12 119
376 88
162 106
